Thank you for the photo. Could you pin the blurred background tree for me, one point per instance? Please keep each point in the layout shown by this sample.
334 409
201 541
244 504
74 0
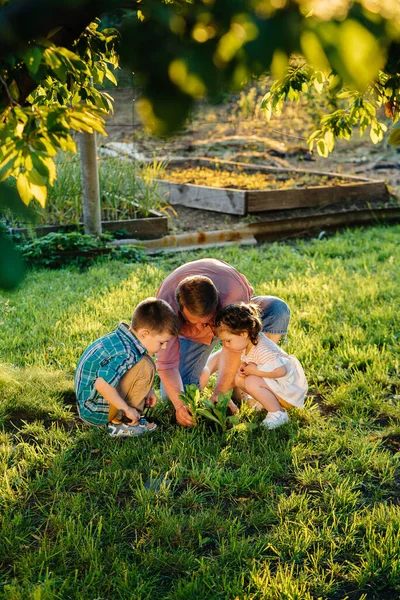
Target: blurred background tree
54 54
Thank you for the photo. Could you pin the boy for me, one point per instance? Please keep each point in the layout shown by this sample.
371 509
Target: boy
115 374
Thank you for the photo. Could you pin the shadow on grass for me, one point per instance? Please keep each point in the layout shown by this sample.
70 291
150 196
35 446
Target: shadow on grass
187 514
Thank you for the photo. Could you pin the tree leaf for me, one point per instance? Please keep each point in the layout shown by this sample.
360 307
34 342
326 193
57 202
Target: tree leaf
24 189
394 135
322 148
33 58
45 166
111 77
37 187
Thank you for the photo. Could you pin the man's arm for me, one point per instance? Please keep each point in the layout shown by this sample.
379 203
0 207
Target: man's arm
228 368
173 386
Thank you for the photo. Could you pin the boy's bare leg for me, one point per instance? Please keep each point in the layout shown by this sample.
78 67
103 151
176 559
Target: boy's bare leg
134 386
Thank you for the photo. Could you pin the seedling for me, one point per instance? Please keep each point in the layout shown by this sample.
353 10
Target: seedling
203 407
191 397
217 411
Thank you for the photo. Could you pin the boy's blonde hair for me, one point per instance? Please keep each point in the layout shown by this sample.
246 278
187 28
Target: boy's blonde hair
156 315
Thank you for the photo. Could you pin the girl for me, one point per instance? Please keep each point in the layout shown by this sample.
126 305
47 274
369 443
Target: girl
266 373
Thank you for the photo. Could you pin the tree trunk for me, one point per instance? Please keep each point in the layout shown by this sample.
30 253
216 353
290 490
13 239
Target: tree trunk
90 184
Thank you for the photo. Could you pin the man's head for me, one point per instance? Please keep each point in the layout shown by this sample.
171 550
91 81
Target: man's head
197 299
154 323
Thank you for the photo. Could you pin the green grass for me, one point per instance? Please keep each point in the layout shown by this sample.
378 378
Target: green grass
308 511
128 191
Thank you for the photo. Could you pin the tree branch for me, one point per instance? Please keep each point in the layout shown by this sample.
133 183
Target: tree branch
7 93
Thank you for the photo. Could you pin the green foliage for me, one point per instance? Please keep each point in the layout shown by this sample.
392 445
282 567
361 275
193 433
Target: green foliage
217 411
12 267
180 52
304 513
191 397
34 129
203 407
128 191
359 109
196 51
56 250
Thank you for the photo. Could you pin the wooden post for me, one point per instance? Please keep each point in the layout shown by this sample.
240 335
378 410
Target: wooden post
90 184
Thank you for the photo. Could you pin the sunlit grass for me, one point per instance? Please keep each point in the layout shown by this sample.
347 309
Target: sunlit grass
128 191
308 511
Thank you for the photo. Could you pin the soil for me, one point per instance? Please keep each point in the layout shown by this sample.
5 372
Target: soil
240 179
227 132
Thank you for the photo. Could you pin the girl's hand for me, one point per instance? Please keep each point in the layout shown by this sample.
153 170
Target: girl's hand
241 370
250 369
132 414
151 399
232 407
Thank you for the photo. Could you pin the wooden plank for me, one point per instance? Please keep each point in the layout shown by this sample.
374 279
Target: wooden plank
145 228
298 226
206 198
268 230
265 200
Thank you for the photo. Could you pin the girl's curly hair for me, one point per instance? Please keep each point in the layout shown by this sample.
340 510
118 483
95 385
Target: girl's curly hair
240 317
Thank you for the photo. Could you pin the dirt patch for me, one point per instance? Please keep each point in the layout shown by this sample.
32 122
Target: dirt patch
392 442
238 178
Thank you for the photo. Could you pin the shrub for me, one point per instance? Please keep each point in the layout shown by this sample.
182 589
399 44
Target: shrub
74 249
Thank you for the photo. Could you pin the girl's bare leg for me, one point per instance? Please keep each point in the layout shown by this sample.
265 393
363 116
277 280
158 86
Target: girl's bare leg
256 388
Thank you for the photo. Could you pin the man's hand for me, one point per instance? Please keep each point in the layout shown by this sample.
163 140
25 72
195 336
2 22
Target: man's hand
132 414
232 406
151 399
183 416
214 397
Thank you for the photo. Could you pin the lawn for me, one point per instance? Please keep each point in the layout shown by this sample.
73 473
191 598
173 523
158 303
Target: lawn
304 512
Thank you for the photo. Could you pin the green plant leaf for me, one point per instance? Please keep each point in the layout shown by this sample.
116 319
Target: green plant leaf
208 404
205 413
33 58
394 135
24 188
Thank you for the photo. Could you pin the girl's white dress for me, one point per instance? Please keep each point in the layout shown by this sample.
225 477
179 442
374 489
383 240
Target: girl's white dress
268 356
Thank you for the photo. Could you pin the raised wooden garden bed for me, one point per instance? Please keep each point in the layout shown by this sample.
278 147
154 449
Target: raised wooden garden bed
281 225
343 188
145 228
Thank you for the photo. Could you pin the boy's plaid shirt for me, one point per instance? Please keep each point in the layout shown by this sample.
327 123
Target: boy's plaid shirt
109 357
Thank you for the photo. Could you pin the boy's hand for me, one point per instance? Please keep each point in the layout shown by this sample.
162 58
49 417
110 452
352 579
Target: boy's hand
132 414
151 399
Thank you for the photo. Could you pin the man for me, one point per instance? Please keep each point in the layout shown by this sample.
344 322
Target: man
196 291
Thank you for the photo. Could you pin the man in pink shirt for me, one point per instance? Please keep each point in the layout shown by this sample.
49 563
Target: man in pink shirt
196 291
